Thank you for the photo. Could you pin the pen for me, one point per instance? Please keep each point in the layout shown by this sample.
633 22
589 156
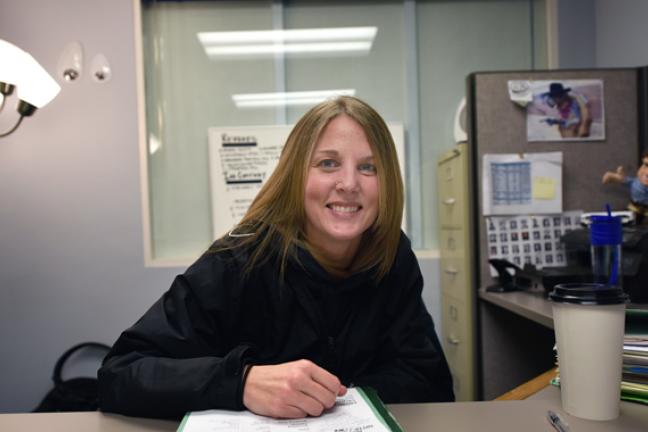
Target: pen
557 422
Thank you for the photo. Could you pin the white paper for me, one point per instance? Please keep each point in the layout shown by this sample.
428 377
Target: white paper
351 413
520 92
241 159
529 183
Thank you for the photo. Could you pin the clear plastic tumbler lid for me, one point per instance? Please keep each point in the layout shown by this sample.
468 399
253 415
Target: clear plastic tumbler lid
588 294
606 230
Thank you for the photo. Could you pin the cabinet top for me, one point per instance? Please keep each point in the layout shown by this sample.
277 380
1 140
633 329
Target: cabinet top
454 152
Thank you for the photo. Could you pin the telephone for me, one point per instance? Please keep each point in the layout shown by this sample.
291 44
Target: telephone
507 281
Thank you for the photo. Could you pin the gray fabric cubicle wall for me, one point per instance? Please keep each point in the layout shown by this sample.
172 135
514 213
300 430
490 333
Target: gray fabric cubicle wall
497 125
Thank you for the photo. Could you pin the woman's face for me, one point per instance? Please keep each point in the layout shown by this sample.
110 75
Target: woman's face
341 193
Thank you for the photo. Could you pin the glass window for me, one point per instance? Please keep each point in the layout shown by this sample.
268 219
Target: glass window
456 38
413 72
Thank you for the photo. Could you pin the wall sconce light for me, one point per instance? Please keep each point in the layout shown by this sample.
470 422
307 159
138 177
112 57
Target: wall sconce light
70 64
100 68
35 87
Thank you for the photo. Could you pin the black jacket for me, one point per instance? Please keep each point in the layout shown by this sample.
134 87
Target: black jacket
188 351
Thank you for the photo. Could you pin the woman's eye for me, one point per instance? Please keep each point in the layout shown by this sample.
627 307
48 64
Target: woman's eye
327 163
367 168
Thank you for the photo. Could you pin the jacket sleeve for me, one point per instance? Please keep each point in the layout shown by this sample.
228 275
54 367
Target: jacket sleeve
410 366
177 357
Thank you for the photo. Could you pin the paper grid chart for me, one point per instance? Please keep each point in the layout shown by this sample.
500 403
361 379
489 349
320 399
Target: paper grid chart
530 239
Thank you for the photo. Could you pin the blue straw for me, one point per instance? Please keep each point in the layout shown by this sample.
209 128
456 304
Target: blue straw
613 274
612 280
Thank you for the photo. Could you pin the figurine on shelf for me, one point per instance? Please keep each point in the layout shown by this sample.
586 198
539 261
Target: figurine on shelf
638 188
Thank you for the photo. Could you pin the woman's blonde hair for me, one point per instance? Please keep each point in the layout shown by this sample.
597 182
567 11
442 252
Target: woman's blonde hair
278 209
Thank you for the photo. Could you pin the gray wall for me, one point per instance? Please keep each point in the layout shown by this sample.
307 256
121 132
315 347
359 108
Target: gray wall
621 33
71 260
602 33
577 33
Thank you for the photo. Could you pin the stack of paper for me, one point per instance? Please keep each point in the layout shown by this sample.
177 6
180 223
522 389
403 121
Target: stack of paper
358 410
634 385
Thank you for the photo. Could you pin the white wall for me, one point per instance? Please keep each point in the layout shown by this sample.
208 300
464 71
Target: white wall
71 260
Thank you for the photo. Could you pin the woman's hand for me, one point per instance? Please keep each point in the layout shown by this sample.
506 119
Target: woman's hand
290 390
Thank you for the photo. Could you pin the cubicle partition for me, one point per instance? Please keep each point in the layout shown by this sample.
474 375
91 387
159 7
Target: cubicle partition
512 348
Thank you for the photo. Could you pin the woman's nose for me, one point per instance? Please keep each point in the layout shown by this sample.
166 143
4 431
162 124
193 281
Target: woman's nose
348 181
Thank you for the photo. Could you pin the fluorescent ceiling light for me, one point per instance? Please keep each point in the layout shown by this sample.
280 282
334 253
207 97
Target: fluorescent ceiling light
252 100
270 42
243 50
295 35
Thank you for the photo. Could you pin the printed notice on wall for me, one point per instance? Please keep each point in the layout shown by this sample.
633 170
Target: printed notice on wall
530 239
529 183
241 159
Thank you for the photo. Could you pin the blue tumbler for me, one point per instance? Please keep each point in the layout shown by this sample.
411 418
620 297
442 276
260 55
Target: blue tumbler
606 238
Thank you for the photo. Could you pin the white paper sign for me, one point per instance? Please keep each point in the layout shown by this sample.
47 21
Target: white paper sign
529 183
241 159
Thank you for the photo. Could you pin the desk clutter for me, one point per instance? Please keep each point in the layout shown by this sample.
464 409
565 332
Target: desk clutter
634 381
575 252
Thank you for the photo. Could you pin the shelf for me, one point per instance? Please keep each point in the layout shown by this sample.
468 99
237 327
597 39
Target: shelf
532 305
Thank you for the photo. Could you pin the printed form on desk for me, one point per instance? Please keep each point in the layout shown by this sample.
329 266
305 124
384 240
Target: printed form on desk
353 412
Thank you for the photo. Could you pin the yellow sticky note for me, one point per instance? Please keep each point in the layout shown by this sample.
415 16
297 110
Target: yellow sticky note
544 188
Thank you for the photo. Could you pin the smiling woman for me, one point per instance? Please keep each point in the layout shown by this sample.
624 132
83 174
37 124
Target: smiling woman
344 309
334 142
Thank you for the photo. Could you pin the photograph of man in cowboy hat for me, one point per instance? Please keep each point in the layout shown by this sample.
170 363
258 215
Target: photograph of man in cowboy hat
566 110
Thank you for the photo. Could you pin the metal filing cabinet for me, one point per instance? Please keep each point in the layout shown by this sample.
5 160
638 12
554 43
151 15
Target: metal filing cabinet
457 293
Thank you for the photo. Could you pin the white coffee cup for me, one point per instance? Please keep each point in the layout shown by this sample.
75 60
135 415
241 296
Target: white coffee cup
589 321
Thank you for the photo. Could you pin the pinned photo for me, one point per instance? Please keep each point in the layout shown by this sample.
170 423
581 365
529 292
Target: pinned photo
566 110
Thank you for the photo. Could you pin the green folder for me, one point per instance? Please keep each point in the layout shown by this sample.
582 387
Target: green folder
379 409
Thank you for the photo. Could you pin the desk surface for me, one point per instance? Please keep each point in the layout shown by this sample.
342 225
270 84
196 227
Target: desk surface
515 416
501 416
532 305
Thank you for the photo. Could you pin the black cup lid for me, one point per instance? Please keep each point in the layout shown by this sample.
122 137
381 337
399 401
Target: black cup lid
588 294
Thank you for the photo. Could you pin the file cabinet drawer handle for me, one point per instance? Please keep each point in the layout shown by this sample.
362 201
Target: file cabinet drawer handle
453 340
451 271
449 201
